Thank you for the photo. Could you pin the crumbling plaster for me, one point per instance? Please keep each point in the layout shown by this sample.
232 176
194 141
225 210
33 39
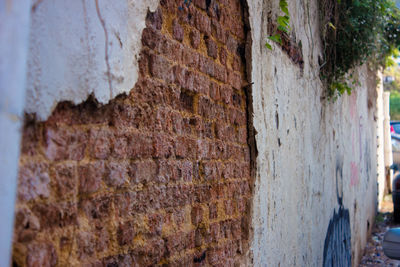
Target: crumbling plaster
78 48
311 152
315 157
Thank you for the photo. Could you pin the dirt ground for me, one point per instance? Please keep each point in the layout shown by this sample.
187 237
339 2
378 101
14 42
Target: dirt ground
373 255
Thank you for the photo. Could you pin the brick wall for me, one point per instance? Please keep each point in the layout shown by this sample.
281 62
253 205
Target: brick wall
160 176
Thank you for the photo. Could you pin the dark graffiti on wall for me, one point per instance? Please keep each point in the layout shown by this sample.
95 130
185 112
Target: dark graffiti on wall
337 247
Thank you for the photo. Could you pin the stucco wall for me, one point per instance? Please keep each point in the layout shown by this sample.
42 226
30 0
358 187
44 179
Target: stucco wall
316 164
83 47
160 176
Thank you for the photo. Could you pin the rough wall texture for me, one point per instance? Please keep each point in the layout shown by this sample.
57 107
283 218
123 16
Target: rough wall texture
81 48
315 193
164 174
160 176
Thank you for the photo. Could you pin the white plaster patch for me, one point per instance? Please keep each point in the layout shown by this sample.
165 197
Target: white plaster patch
82 47
309 151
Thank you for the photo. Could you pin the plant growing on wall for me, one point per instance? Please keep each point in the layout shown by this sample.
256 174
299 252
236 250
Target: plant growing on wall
283 23
354 32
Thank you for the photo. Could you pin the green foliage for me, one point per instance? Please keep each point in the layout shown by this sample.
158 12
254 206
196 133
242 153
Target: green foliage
395 105
283 23
354 32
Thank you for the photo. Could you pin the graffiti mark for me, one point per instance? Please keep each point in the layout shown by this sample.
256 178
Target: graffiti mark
186 3
367 158
354 174
339 180
337 247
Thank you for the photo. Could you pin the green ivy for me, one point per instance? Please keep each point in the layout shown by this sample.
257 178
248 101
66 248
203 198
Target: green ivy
283 23
355 32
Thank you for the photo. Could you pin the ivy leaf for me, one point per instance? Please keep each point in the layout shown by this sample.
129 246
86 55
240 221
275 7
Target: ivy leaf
331 25
283 29
267 45
283 21
284 7
276 38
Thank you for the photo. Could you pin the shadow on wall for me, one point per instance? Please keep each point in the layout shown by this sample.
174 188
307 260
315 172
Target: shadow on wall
337 247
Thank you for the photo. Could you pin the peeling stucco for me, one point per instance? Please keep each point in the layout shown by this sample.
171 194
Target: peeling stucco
311 152
83 47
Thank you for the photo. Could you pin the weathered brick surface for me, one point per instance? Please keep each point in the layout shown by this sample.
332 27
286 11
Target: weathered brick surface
158 177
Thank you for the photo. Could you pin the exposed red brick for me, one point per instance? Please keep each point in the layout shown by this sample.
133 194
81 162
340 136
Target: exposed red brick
151 38
96 207
213 211
201 83
231 44
185 148
33 181
163 146
123 260
143 63
90 177
158 176
140 146
150 253
41 254
206 65
170 5
218 32
195 38
116 174
170 49
65 180
212 48
65 143
160 68
220 73
143 172
102 237
55 215
202 23
190 58
187 101
30 138
126 232
200 3
99 143
155 222
27 225
177 31
119 146
123 203
197 214
154 19
223 56
85 244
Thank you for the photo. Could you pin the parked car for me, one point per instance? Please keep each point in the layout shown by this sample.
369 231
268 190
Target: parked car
395 127
396 148
396 195
391 243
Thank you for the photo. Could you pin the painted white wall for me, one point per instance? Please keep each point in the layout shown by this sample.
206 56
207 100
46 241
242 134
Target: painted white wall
82 47
14 33
381 176
297 183
387 139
